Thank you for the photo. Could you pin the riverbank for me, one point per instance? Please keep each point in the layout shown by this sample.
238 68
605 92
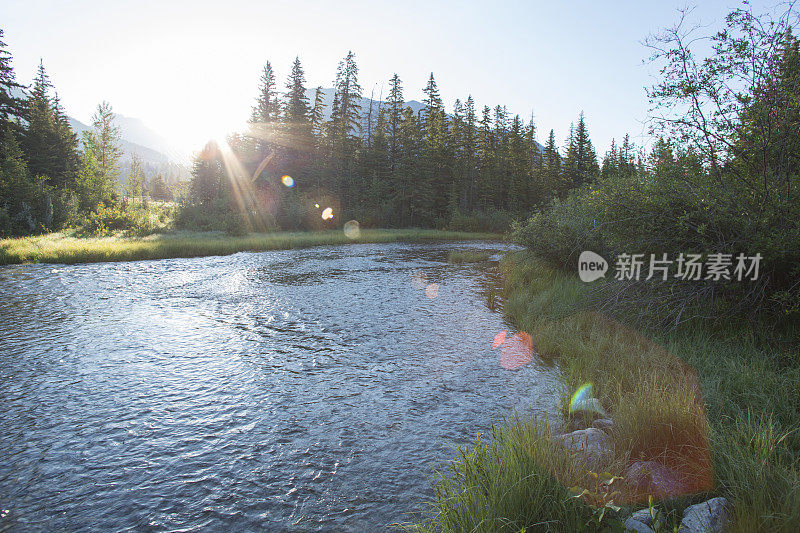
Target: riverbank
64 248
716 406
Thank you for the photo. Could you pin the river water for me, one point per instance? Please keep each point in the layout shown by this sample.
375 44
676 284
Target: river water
297 390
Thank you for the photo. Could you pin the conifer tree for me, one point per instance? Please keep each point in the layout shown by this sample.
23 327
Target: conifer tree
266 109
296 108
396 105
11 107
99 173
551 167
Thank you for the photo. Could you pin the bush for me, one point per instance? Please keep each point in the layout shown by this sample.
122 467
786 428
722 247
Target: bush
676 211
132 220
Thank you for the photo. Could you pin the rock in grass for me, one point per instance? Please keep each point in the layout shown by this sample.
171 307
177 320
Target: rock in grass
707 517
595 443
643 516
603 423
650 477
638 527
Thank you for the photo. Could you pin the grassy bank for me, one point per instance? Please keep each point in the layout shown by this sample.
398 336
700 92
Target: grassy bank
63 248
719 405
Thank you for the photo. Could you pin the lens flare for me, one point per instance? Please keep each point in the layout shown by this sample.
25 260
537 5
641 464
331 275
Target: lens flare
327 213
352 229
288 181
583 401
499 339
432 290
517 351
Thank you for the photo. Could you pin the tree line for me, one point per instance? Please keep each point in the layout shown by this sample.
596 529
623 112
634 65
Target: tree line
49 178
382 164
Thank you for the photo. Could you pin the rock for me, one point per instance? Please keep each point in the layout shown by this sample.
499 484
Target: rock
595 443
643 516
638 527
603 423
707 517
650 477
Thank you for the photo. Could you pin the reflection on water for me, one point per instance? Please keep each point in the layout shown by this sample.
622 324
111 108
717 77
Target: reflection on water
292 390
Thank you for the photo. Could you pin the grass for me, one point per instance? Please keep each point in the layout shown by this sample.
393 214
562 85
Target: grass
468 256
64 248
717 404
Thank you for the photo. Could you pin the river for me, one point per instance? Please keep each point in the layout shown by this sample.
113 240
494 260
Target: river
296 390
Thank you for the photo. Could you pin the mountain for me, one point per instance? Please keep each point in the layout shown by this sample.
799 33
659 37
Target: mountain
328 93
153 160
128 147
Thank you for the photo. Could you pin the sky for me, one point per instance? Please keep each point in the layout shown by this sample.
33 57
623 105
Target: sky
190 70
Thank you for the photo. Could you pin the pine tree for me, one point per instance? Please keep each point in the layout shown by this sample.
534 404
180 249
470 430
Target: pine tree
11 107
436 170
25 201
99 173
346 112
551 168
39 134
396 105
266 109
159 189
580 164
296 108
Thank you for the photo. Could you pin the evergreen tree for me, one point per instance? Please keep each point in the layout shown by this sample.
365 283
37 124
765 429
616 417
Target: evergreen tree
99 173
296 108
551 167
266 109
11 107
396 105
346 111
25 200
580 163
159 189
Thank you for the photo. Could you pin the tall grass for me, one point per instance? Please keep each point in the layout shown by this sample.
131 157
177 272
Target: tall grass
721 406
509 484
63 248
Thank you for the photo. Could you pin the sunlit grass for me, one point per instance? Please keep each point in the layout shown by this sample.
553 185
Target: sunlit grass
63 248
720 406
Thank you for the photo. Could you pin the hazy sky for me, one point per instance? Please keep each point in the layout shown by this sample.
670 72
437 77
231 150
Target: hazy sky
190 70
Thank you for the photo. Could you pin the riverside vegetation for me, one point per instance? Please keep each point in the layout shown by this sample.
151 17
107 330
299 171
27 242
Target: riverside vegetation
701 376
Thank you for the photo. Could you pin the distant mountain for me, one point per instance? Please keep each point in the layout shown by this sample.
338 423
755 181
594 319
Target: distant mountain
328 93
153 161
129 147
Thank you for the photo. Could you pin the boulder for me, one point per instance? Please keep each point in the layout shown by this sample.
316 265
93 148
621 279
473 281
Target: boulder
650 477
595 443
643 516
603 423
707 517
638 527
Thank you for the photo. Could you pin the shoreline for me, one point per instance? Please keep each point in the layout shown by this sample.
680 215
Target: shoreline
697 399
62 248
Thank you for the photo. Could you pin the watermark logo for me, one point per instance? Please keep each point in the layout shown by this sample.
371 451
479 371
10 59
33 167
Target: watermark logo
591 266
686 267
